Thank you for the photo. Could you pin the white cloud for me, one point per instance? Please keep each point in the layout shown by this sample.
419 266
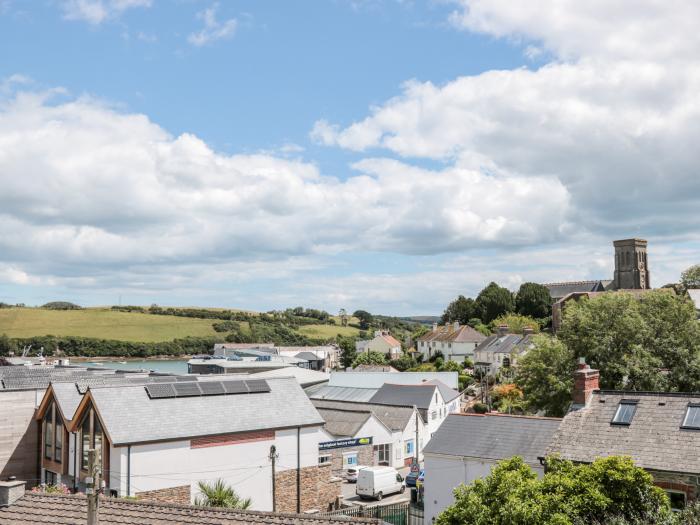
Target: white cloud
88 190
97 11
213 29
614 118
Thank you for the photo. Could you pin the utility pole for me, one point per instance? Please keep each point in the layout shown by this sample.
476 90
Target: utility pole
415 409
93 488
273 457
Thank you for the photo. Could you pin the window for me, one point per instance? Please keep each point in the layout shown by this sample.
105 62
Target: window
625 412
97 435
58 450
436 397
48 433
677 500
409 448
50 478
350 459
322 460
85 436
382 453
433 415
692 416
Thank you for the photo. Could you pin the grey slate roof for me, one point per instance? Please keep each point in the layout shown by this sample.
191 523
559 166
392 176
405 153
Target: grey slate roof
508 343
130 416
559 290
412 395
447 333
654 438
34 509
343 393
493 437
343 423
39 377
309 356
393 417
67 398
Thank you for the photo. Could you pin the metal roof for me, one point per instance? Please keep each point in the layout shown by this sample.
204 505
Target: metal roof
493 437
339 393
377 379
130 416
304 376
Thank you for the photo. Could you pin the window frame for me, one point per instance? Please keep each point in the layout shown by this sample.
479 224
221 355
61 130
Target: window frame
326 457
684 424
627 402
48 434
84 447
58 430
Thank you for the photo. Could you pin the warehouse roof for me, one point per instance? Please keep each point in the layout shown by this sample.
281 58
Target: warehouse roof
377 379
493 437
339 393
130 415
34 509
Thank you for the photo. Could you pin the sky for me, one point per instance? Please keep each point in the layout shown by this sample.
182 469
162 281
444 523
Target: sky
386 155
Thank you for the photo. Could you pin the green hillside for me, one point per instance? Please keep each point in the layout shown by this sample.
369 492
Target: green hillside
101 323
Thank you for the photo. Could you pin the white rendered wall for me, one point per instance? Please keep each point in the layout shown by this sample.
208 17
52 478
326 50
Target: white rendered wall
445 473
244 466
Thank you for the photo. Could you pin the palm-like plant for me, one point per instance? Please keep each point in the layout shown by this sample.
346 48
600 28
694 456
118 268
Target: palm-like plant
218 494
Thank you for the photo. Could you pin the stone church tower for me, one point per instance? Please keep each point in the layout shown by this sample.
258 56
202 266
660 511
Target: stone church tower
631 270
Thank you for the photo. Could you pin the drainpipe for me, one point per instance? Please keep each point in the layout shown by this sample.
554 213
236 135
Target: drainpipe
298 470
76 474
128 471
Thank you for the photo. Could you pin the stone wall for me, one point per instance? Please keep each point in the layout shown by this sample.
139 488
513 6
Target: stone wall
678 483
319 489
365 457
179 495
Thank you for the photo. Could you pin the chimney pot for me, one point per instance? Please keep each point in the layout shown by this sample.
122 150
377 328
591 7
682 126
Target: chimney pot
10 492
456 325
502 330
528 330
435 325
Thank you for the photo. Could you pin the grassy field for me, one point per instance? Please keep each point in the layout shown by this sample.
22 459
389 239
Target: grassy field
101 323
324 331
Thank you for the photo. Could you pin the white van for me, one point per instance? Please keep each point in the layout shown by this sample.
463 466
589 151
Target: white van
377 482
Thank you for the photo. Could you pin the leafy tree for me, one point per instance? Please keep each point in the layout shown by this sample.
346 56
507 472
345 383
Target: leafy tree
451 366
461 309
348 352
690 278
365 318
516 323
369 358
509 397
61 305
218 494
493 301
436 355
533 300
403 363
544 375
609 489
5 345
480 408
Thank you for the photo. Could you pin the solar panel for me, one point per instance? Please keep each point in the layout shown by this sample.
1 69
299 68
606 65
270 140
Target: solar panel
257 385
211 388
160 391
235 387
187 389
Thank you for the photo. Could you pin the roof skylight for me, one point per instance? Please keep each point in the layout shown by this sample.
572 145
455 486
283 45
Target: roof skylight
692 416
625 412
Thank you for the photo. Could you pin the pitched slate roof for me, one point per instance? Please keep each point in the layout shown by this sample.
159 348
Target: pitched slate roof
448 334
412 395
654 438
493 437
393 417
67 398
342 393
35 509
558 290
130 416
344 422
309 356
507 344
39 377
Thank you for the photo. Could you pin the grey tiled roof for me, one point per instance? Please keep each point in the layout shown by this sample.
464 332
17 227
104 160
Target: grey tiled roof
67 398
343 423
130 416
344 393
411 395
309 356
654 438
33 509
493 437
558 290
508 343
447 333
393 417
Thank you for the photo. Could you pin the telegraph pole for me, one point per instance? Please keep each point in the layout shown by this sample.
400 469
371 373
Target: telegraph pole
415 408
93 488
273 457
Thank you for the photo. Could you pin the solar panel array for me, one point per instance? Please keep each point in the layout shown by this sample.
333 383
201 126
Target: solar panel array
206 388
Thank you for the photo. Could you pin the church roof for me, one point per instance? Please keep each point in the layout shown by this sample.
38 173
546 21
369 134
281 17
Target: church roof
559 290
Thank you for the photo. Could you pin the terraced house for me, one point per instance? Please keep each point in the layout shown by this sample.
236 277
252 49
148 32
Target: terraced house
456 342
157 441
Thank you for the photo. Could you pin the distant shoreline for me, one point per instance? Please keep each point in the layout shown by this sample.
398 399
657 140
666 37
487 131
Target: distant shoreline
113 358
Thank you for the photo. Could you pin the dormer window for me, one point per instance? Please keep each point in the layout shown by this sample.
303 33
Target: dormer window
625 412
692 416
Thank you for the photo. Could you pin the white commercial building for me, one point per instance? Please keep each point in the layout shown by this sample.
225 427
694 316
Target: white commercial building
158 441
468 446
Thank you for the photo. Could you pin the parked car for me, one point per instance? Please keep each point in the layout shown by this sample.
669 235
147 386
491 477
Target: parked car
412 477
351 474
377 482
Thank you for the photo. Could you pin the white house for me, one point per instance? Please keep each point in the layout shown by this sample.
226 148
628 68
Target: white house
382 342
157 441
468 446
502 350
455 341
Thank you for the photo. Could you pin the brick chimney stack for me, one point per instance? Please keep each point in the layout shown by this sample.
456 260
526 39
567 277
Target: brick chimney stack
502 330
585 382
